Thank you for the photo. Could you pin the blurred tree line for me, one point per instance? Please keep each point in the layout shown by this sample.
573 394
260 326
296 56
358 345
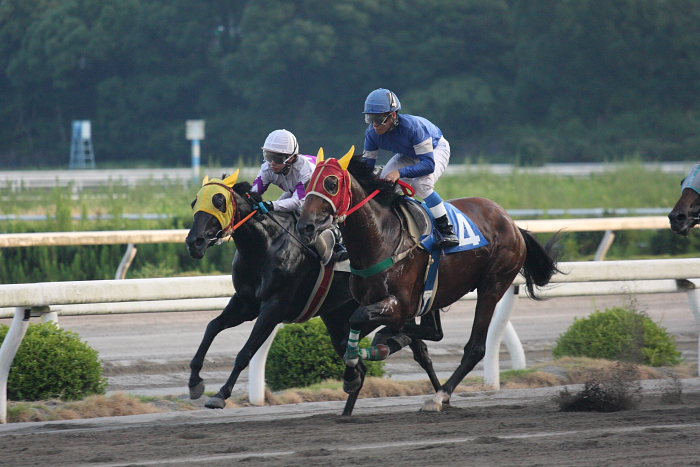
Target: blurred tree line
507 80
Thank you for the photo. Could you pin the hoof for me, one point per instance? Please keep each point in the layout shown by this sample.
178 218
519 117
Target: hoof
431 406
215 403
352 386
352 362
435 403
197 390
351 357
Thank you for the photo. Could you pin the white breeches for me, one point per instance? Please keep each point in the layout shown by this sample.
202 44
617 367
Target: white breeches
425 184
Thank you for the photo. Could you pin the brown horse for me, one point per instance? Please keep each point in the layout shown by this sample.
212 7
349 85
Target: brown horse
686 213
375 233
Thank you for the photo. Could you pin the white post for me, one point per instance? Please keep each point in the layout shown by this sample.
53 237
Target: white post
126 261
195 159
194 131
515 347
604 245
499 323
694 300
50 317
13 339
256 371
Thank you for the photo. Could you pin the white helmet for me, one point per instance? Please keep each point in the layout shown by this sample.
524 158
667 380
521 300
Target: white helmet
282 142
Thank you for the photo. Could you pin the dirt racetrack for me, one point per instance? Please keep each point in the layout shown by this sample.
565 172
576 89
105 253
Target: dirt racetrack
509 427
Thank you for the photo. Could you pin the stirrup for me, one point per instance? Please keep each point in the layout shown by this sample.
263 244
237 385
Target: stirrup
448 241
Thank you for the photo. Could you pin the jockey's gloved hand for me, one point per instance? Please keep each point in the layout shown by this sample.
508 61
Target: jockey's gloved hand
265 206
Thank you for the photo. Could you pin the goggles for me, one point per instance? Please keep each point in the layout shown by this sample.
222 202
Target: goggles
276 157
377 119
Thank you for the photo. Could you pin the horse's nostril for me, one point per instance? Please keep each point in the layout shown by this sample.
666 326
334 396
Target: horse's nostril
309 228
199 241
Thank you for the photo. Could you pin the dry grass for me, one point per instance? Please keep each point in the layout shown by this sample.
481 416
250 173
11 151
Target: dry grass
90 407
563 371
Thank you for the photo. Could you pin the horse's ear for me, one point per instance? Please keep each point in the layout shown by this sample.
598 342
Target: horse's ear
319 156
345 160
205 180
231 179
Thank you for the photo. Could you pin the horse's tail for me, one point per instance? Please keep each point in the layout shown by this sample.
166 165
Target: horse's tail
540 262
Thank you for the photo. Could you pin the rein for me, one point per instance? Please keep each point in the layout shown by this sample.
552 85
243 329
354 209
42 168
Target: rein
358 205
407 190
307 248
386 263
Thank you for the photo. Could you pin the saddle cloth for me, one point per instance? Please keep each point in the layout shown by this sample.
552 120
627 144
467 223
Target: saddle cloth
420 226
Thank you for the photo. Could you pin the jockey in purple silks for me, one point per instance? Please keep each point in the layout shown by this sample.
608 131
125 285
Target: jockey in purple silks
285 167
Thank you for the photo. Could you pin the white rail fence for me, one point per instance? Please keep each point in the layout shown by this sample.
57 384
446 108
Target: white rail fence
211 292
132 237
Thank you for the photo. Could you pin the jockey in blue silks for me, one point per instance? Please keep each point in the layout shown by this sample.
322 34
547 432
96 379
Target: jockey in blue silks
421 153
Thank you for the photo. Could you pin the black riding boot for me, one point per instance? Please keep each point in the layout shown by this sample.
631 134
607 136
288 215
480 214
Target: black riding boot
449 239
340 253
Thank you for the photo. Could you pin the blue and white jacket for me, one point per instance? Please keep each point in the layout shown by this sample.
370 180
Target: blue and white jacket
414 136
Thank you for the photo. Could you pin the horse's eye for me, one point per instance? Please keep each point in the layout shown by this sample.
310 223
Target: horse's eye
219 202
330 184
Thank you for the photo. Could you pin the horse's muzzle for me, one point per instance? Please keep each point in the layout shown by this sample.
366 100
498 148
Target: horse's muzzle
196 246
680 223
307 232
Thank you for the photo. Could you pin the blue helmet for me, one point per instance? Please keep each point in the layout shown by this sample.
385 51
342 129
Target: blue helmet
381 101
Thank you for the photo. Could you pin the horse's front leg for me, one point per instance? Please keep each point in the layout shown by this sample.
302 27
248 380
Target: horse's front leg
236 312
265 324
386 312
475 349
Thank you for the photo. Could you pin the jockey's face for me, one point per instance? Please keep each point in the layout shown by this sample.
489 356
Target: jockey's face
279 163
382 122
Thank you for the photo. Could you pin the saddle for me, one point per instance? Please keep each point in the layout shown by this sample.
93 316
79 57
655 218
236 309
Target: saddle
418 222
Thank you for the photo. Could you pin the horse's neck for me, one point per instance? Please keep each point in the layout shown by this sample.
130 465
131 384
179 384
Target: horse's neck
251 236
371 233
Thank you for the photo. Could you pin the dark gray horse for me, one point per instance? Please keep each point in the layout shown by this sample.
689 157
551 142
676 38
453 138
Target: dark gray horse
686 213
273 276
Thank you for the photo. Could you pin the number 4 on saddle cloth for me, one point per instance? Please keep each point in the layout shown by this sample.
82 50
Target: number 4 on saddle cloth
422 228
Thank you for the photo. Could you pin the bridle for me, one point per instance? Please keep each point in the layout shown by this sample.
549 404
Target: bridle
237 222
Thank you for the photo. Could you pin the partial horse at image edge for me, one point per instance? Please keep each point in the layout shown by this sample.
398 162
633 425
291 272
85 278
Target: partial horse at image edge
686 212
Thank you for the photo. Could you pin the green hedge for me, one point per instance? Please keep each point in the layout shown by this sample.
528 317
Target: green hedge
619 334
53 363
302 354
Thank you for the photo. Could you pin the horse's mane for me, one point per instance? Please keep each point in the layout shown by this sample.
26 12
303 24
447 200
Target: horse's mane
365 176
243 189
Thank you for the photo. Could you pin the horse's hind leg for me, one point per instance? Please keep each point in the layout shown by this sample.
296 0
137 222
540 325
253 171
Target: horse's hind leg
420 355
233 314
429 329
474 351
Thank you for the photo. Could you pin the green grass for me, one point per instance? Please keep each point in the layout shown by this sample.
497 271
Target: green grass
631 186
